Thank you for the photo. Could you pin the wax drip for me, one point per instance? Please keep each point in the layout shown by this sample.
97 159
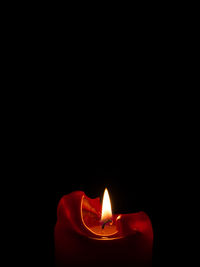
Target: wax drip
103 225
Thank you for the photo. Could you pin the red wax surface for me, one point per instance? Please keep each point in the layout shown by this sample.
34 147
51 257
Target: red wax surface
128 241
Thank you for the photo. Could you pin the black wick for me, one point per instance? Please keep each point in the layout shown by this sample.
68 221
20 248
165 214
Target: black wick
103 225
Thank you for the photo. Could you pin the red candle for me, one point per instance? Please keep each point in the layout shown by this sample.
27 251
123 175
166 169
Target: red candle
87 234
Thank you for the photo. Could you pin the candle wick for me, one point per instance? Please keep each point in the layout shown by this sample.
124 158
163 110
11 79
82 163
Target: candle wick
103 225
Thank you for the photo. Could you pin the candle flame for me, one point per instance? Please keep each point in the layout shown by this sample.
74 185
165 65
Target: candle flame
106 207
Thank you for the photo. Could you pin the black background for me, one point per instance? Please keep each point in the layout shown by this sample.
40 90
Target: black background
141 162
138 153
94 116
86 137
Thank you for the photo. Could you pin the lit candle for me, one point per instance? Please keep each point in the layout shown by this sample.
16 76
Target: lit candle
88 234
104 227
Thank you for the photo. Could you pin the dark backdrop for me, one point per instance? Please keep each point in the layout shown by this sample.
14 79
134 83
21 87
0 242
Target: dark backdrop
139 160
61 142
143 172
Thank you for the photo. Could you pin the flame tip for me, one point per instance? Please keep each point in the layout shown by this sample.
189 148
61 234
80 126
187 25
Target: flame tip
106 206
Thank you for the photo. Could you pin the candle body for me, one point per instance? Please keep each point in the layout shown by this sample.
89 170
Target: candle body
76 245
